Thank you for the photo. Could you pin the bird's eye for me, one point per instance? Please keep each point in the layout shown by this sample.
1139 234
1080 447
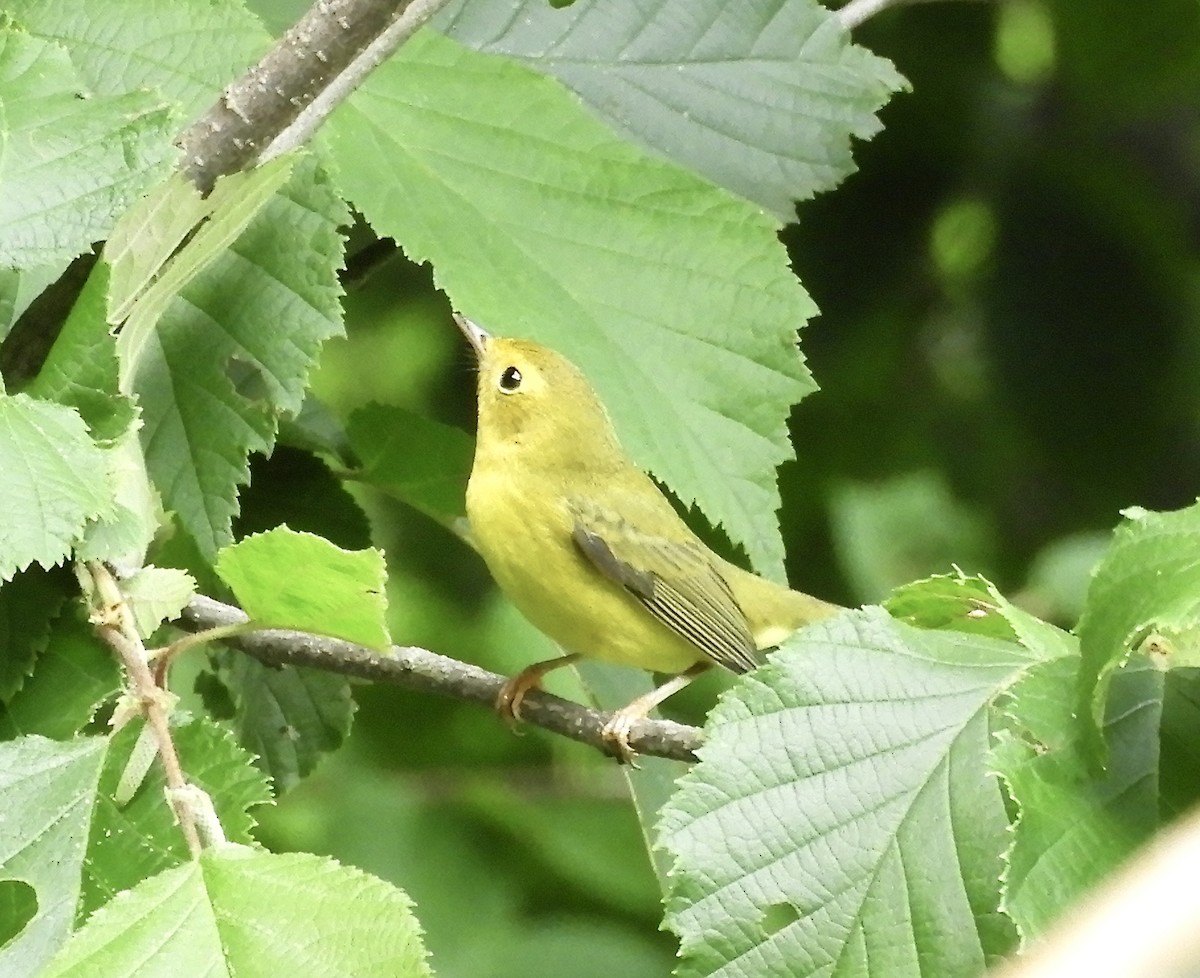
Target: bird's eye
510 380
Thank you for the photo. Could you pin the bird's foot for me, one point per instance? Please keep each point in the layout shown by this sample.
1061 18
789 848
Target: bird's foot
512 693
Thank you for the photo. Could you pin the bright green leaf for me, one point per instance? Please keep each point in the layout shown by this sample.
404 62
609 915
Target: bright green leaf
1073 828
284 579
126 533
844 818
157 594
46 794
128 844
233 350
673 296
238 912
72 676
419 461
973 604
952 601
53 479
288 717
70 162
1148 580
760 96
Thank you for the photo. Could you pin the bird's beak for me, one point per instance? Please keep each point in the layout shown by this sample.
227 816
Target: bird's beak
475 334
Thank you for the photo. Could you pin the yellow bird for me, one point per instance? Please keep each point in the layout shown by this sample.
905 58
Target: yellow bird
590 551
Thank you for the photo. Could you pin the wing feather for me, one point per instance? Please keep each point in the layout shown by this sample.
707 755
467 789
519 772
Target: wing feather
675 580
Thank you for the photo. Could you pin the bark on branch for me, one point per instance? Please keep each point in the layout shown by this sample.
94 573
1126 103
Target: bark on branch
420 669
330 49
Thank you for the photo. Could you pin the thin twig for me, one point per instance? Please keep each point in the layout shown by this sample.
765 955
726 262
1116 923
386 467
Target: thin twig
420 669
114 624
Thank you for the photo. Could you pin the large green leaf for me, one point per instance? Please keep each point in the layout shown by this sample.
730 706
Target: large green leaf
233 350
46 794
760 96
53 479
674 297
843 818
70 161
186 49
239 912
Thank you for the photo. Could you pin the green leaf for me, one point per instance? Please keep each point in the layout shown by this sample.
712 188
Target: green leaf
18 289
187 49
149 272
284 579
760 96
127 532
843 817
157 594
419 461
1148 580
70 161
953 601
80 370
973 604
46 794
531 212
246 913
233 350
72 676
29 603
288 716
129 844
53 478
1073 828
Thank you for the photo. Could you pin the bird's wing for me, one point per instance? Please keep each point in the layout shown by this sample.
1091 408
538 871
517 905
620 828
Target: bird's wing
675 580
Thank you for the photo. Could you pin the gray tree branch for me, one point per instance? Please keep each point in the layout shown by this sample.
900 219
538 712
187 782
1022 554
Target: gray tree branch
420 669
312 69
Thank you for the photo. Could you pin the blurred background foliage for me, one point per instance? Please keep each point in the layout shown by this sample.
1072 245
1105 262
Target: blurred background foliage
1008 348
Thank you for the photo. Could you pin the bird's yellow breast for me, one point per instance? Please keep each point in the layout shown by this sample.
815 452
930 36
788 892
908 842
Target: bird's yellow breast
525 539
